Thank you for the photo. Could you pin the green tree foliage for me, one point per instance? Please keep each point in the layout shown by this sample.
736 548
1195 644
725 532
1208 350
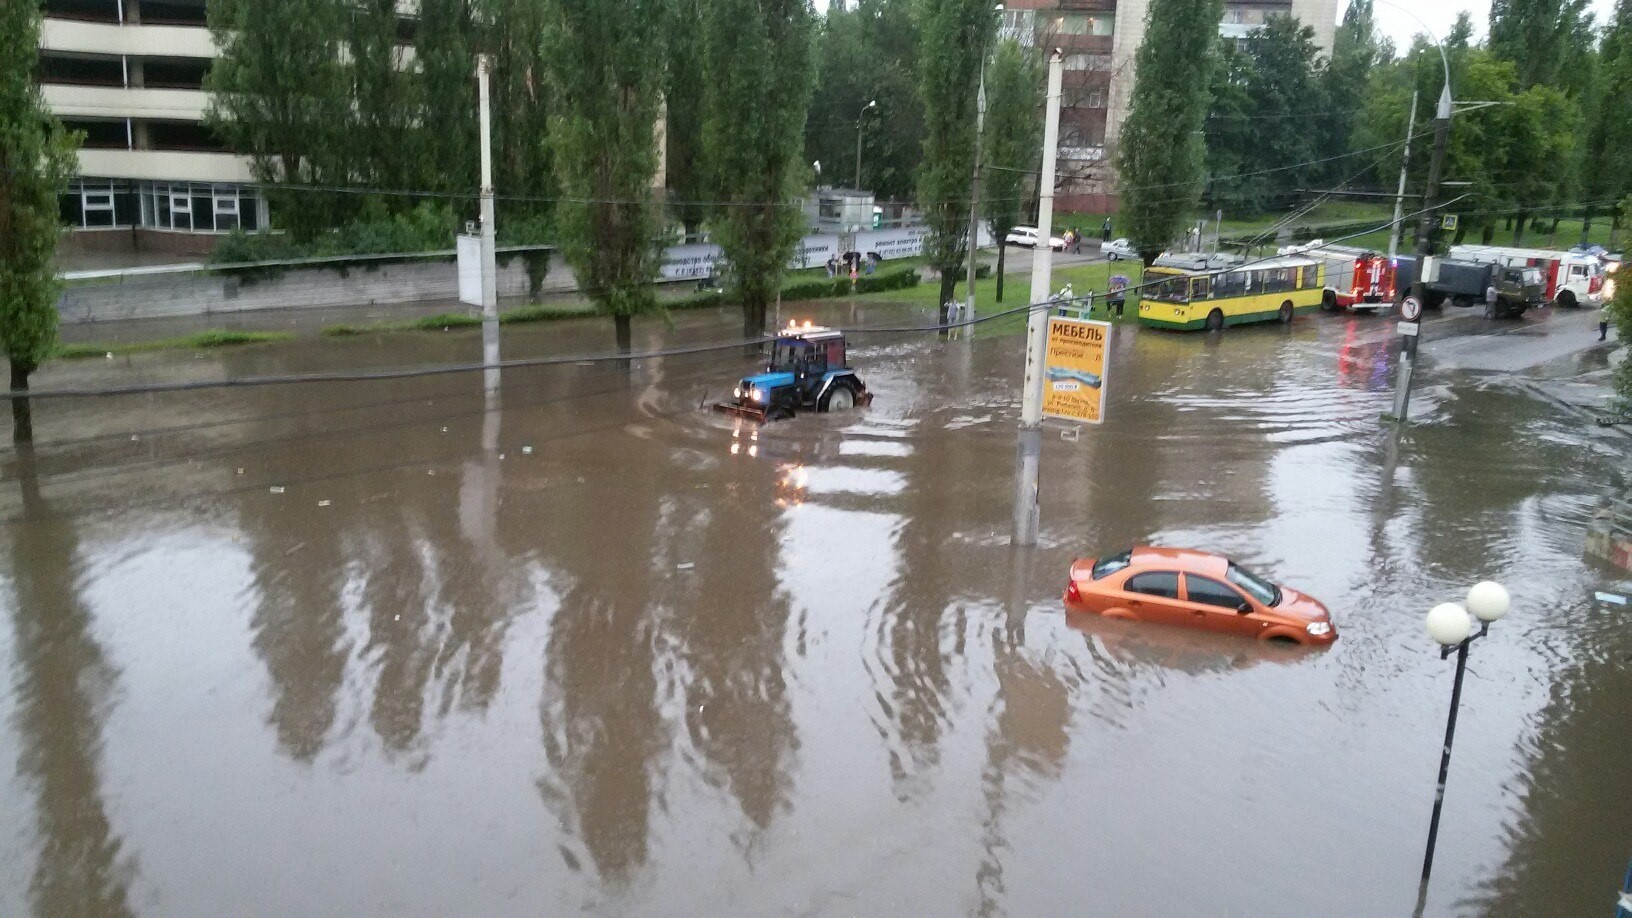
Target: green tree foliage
867 52
1620 315
1541 37
1160 154
953 36
1357 50
604 62
1264 99
384 141
278 94
1607 161
445 57
688 183
758 60
1015 86
36 163
522 164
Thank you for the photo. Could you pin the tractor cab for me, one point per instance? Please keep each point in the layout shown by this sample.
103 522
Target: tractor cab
807 370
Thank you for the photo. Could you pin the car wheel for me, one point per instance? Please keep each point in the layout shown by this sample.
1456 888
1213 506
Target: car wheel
1215 320
1328 301
840 398
1283 640
1567 299
1113 257
1286 313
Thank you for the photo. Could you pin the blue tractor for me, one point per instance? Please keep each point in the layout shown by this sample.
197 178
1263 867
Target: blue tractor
806 372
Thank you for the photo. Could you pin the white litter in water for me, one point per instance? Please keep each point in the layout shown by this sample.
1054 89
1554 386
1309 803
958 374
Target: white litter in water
444 430
526 450
1612 598
324 503
277 489
685 565
110 355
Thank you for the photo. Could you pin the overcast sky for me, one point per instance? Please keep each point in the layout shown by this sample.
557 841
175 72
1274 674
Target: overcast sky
1439 14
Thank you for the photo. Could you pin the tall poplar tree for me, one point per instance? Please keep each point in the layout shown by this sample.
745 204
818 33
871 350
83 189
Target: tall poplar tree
1159 157
604 59
36 163
758 59
385 140
1539 36
1015 85
445 54
1607 168
683 100
953 36
278 95
522 163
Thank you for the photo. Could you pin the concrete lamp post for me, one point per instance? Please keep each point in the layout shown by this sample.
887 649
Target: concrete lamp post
1450 627
860 121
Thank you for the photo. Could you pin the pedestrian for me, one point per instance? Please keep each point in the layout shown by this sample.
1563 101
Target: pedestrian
1603 321
1076 242
1105 231
1118 293
1490 299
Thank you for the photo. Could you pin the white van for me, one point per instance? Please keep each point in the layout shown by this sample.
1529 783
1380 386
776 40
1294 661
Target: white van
1026 238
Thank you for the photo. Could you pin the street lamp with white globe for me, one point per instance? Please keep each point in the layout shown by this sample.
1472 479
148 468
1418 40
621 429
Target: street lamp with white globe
1449 625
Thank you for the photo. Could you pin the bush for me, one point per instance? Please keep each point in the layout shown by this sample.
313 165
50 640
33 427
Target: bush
707 299
895 280
818 289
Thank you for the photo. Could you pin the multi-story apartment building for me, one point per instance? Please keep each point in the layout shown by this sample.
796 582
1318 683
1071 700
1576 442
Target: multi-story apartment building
1101 40
129 74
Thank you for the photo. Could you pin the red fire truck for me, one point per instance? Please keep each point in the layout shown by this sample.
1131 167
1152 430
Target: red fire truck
1569 279
1356 279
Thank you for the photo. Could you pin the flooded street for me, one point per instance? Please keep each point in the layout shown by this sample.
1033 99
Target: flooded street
581 645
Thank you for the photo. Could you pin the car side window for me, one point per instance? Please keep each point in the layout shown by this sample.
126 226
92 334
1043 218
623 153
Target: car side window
1208 591
1155 583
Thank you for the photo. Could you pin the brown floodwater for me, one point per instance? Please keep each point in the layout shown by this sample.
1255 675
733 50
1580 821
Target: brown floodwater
579 645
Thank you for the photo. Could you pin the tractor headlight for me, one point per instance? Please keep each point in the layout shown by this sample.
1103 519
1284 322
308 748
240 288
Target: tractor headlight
757 395
737 392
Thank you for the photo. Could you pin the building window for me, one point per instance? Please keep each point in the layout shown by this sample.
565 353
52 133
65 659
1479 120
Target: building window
174 12
100 135
182 135
92 10
1082 24
1018 26
82 69
1099 62
1096 98
174 72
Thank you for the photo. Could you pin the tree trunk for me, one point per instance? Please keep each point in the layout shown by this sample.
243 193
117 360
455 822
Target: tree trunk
1614 231
1461 232
1552 233
22 413
753 322
1586 225
1002 250
1489 234
1520 219
622 325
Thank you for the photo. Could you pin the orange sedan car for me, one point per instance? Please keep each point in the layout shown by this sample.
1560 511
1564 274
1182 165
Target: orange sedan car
1195 589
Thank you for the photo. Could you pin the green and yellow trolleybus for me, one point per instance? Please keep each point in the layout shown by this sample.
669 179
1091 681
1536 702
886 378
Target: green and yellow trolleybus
1211 297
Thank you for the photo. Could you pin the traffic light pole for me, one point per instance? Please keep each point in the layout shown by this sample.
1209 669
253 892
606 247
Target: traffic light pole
1430 208
1029 458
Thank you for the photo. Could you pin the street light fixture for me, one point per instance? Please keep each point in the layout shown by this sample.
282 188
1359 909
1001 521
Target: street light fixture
1449 626
859 116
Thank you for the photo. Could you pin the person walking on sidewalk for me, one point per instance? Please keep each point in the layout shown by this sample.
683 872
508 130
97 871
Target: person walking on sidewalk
1603 321
1105 231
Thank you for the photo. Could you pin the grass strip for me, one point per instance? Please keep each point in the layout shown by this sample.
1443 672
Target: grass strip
204 339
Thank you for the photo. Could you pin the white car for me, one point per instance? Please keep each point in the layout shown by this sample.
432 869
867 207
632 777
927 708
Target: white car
1118 249
1026 238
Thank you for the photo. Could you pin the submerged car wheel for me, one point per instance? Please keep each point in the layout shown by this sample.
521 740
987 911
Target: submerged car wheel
840 399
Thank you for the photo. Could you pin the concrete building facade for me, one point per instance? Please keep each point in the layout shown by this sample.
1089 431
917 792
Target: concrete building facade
1101 41
129 75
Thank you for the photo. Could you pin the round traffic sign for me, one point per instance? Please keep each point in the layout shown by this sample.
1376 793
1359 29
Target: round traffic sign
1411 309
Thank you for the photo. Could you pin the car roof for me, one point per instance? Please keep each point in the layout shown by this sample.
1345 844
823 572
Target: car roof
1181 559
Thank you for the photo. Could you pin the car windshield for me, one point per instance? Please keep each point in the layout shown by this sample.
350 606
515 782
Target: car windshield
1262 590
1109 565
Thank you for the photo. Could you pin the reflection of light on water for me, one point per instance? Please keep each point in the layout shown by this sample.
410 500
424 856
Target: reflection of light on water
791 486
850 480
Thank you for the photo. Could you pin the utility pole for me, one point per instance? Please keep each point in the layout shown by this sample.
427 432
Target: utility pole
974 191
1430 207
1030 453
1399 196
860 119
490 279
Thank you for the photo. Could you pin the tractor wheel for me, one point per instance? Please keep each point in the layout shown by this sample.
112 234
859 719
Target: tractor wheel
840 398
1215 320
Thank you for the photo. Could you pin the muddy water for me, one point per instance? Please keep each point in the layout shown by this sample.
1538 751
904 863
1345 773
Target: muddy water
410 648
